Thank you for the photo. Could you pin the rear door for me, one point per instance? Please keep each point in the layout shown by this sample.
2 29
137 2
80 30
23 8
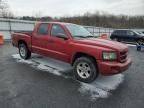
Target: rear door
123 35
118 34
40 39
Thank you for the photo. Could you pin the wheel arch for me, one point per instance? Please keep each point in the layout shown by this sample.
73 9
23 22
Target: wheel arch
82 54
22 42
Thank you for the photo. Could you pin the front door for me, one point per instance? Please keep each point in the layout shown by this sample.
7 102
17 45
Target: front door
57 45
130 36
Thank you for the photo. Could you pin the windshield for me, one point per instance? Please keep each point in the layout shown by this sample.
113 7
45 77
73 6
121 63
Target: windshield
78 31
137 32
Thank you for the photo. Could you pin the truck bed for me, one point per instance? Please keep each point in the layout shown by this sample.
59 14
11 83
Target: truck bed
23 32
22 36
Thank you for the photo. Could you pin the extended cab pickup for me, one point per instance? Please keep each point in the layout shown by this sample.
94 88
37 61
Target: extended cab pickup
73 44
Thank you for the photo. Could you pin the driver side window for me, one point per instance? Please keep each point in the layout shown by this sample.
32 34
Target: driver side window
57 30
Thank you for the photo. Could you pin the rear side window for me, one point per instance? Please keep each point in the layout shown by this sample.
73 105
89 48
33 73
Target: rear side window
123 33
43 29
120 32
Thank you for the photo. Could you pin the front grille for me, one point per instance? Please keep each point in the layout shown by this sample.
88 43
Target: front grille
123 56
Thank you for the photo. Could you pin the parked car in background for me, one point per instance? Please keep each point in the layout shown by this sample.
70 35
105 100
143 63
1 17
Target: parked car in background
127 36
73 44
140 32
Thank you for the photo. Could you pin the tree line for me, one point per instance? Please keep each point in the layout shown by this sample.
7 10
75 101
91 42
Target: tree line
88 19
96 19
106 20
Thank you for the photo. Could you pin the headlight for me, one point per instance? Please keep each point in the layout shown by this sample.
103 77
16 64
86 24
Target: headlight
109 55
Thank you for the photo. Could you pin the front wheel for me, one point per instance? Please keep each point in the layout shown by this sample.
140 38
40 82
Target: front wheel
138 48
24 51
140 42
85 69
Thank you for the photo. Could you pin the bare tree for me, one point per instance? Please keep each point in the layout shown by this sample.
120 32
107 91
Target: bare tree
37 15
4 10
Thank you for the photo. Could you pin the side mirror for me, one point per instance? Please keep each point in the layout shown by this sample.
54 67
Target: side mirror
63 36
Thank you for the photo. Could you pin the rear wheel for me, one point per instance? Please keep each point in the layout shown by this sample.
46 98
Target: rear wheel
85 69
24 51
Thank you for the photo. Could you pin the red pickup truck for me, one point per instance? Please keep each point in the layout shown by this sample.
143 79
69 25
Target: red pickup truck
73 44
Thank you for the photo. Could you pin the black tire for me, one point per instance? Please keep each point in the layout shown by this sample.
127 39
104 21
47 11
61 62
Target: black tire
138 48
93 74
26 54
140 42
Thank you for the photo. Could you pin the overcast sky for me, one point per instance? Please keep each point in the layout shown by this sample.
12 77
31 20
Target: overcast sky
74 7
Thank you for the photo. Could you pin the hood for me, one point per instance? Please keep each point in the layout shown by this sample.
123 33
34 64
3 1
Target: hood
104 43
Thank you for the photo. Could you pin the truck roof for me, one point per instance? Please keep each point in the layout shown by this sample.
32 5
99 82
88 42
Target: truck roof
62 23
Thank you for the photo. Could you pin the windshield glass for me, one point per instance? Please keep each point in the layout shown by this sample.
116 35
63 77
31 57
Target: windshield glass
78 31
137 32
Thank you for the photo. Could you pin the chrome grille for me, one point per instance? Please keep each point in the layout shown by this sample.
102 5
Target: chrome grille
123 56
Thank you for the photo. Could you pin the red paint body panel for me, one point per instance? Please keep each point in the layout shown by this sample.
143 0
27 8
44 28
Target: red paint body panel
65 50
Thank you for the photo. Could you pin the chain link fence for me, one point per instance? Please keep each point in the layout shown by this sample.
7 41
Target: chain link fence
98 31
7 26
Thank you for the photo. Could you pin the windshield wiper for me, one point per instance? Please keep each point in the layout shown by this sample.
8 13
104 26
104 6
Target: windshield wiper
80 36
90 36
